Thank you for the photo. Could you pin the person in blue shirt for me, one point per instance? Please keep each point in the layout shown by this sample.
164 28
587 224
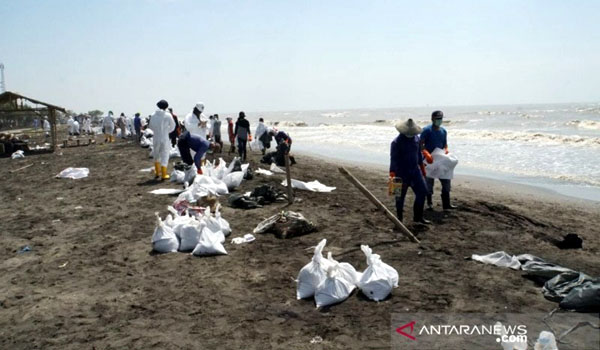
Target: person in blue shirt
406 165
435 136
137 125
187 142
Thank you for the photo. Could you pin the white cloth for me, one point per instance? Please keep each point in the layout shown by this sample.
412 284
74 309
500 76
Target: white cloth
46 125
109 124
443 165
314 186
161 124
74 173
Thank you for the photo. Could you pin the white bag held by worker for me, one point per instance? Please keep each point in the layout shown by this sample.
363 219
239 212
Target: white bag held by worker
163 239
334 289
443 165
313 273
379 278
211 243
347 271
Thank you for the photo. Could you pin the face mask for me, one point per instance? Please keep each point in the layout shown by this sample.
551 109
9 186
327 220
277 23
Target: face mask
437 122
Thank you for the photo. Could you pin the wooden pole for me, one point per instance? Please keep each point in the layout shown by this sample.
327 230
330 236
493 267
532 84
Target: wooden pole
288 175
52 117
21 168
379 205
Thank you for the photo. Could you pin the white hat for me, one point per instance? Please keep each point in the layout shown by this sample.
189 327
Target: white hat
200 106
408 128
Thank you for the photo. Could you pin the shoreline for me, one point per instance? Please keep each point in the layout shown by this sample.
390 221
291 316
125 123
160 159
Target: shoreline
490 185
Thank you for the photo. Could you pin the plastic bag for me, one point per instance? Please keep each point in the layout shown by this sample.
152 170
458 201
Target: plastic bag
18 155
74 173
500 258
177 176
190 236
379 278
443 165
545 341
164 239
225 228
211 243
313 273
234 179
346 270
334 289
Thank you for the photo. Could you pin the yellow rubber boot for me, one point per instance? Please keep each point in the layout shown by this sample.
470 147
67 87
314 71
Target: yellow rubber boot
156 169
165 175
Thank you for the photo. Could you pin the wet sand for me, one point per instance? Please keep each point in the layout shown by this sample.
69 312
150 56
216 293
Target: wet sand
91 281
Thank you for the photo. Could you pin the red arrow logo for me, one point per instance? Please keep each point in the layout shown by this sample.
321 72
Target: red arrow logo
412 327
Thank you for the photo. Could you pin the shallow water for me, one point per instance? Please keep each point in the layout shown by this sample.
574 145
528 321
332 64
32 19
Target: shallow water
552 146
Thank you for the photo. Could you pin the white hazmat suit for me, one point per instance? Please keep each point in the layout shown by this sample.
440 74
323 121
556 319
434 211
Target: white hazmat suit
161 124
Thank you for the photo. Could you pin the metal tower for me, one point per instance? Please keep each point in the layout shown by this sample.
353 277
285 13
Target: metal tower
2 84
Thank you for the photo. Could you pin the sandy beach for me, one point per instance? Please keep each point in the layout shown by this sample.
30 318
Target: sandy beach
91 280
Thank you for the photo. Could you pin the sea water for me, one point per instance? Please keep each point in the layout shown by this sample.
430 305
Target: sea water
551 146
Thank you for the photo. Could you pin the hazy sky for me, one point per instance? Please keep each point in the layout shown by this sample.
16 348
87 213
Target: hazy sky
125 55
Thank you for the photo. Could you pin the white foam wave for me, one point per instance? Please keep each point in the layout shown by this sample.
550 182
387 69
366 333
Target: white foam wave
584 124
543 139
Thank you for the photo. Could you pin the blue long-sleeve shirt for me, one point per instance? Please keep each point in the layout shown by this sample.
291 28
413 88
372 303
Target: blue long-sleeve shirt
406 157
282 136
188 141
433 139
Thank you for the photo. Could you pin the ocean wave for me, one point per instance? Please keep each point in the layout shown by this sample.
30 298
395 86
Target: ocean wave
527 137
334 114
383 130
584 124
289 123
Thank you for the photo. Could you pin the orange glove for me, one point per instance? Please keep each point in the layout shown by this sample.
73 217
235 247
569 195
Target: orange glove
391 183
422 166
250 137
199 172
427 156
446 149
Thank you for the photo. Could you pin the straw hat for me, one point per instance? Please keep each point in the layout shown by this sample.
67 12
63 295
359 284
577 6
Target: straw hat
408 128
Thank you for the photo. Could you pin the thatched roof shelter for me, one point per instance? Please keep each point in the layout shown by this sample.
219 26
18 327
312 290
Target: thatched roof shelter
15 105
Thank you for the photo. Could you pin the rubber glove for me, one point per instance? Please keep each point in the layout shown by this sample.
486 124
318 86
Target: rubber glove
422 166
446 149
427 156
391 183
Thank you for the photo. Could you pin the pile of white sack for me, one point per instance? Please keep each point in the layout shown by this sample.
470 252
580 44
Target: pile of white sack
331 282
203 234
146 139
216 176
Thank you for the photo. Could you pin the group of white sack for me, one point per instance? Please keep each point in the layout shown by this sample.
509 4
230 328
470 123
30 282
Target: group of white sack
202 235
331 282
221 176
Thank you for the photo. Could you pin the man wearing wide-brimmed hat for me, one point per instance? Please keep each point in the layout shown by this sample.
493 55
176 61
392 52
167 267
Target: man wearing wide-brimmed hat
406 165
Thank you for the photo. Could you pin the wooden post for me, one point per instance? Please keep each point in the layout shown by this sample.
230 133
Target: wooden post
52 119
288 175
379 205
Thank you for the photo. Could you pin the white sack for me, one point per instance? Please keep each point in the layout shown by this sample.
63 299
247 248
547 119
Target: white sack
225 227
211 243
163 239
233 180
274 168
190 236
379 278
313 273
334 289
263 172
346 270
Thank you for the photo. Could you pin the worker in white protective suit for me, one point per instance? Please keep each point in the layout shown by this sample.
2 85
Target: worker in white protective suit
196 122
161 124
108 124
46 125
70 125
260 130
